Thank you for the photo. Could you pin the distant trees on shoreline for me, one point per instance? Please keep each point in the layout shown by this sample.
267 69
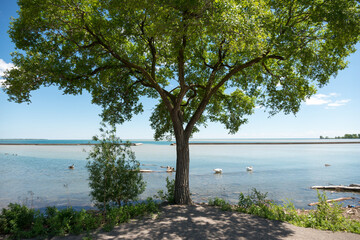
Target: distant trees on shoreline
346 136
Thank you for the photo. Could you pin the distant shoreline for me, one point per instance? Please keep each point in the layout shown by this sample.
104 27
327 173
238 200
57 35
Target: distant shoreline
197 143
273 143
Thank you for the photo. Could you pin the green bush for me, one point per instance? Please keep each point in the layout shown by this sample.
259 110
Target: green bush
220 203
114 176
61 222
217 202
21 222
123 214
254 198
169 195
325 217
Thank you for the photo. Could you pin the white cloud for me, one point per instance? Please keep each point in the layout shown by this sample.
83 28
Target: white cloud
3 67
318 99
339 103
328 100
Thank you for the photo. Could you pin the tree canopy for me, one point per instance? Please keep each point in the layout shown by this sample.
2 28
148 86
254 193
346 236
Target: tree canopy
205 60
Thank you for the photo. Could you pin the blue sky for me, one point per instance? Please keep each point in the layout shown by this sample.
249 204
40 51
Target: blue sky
333 111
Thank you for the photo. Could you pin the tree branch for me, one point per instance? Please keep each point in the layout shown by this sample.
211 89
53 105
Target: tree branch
216 67
275 56
196 116
190 98
181 63
95 71
150 43
163 93
269 72
153 53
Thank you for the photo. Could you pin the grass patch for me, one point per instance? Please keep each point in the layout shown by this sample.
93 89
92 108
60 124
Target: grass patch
22 222
324 217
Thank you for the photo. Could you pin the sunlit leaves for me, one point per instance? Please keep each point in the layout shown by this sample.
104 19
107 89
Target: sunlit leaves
231 109
114 176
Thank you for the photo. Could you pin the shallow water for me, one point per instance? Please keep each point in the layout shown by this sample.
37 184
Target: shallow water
38 176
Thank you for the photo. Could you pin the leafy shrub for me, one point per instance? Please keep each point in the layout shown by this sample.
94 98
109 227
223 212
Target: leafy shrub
22 222
226 207
254 198
326 216
124 213
61 222
329 217
220 203
114 176
169 196
19 220
217 202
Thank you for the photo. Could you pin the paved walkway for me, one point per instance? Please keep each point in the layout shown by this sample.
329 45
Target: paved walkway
205 222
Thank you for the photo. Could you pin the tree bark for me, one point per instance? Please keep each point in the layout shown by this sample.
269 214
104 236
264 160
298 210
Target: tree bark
182 189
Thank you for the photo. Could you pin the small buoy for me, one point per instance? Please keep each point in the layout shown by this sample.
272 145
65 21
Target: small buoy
249 169
72 166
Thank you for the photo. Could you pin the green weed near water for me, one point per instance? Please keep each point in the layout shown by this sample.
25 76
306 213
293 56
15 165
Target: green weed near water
324 217
169 195
220 203
22 222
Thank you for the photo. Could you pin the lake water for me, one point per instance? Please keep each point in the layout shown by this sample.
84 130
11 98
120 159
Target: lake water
38 176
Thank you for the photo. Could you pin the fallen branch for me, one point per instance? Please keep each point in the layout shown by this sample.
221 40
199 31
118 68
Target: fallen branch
332 200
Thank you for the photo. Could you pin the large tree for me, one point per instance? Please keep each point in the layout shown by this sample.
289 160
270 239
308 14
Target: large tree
204 60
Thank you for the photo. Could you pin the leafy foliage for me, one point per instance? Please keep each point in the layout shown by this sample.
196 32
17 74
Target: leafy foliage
18 220
123 214
169 195
114 176
22 222
254 198
220 203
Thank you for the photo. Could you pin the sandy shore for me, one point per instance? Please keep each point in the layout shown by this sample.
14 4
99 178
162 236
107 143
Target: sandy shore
206 222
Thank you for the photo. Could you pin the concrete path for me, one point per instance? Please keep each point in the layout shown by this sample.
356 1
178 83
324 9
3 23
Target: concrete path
205 222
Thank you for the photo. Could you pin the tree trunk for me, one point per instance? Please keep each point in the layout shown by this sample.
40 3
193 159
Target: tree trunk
182 189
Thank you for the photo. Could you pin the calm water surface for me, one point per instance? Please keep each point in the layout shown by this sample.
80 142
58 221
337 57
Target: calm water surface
39 176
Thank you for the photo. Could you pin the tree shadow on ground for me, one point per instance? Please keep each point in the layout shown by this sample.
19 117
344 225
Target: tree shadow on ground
199 222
